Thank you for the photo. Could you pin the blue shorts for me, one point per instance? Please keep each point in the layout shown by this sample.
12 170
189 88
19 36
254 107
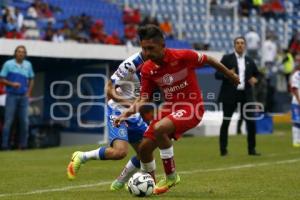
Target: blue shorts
132 132
296 114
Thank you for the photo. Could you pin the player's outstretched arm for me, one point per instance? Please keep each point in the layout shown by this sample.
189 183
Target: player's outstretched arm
111 93
232 76
130 111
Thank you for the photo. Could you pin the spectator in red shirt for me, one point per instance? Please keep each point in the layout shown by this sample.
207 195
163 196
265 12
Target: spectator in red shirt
97 32
295 44
137 16
130 34
46 12
131 16
113 39
273 9
130 31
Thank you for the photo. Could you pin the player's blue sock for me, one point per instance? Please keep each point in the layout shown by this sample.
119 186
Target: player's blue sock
102 153
136 162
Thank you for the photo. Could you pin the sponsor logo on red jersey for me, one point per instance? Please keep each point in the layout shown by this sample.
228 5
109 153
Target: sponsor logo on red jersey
176 87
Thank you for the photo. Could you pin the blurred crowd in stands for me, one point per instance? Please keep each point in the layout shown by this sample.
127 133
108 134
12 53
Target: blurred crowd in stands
83 28
270 55
266 8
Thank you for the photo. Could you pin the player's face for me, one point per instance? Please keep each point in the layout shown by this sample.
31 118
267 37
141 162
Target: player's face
153 49
240 46
20 53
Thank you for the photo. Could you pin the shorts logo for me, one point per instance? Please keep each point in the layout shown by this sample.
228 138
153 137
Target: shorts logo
122 132
178 113
168 79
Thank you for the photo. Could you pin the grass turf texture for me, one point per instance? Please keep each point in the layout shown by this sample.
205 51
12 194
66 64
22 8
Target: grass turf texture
41 174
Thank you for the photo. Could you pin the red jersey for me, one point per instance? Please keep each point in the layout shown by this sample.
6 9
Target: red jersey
176 76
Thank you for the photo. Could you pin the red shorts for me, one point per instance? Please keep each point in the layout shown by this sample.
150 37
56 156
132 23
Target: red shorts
183 118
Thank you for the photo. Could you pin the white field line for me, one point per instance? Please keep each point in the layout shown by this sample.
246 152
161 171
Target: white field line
276 154
237 167
56 189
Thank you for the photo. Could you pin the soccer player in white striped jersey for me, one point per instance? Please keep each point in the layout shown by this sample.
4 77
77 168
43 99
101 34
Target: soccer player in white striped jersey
295 87
121 89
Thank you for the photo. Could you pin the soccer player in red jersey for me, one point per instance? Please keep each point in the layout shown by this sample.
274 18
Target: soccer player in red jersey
173 71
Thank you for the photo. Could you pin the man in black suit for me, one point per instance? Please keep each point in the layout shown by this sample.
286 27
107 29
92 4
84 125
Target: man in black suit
232 97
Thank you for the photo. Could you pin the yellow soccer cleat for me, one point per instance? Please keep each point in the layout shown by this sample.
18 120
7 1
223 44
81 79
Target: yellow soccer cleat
117 185
165 184
74 165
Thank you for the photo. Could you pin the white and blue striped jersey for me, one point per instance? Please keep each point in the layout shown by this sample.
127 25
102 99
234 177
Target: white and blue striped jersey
126 79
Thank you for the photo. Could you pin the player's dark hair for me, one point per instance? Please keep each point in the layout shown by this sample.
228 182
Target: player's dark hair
239 37
18 47
149 32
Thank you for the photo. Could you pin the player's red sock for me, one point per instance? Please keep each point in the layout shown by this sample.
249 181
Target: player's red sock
169 166
167 156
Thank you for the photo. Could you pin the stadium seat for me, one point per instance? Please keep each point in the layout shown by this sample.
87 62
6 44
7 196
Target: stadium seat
189 35
196 18
188 17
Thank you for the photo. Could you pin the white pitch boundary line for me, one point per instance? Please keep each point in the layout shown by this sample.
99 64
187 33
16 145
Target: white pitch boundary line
237 167
240 167
56 189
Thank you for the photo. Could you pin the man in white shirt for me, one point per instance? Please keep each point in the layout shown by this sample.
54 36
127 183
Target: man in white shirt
232 98
253 43
269 52
295 85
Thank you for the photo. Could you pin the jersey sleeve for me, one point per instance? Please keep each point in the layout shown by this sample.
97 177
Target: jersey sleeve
5 70
122 72
195 59
295 80
125 69
116 78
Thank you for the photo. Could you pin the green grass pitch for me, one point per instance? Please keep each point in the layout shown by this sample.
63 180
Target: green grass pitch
41 174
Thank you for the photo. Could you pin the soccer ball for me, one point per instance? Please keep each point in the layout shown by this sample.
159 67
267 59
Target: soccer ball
141 184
